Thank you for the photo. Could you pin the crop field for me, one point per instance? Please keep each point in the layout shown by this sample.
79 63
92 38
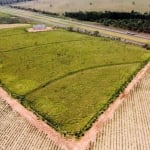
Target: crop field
129 127
65 77
60 6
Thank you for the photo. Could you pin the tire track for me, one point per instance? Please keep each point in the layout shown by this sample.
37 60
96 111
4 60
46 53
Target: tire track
76 72
40 45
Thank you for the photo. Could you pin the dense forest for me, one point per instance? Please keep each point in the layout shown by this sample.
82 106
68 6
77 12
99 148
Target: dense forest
134 21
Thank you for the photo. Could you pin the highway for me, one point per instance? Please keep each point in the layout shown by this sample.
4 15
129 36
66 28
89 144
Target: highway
63 22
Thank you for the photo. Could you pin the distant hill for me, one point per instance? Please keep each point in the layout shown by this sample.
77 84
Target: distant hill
61 6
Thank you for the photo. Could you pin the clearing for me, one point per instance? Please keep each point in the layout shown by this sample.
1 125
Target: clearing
67 78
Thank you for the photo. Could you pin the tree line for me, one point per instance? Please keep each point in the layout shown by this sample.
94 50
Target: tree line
127 20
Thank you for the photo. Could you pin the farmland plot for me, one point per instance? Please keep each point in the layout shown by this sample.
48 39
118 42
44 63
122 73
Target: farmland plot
123 128
129 127
65 77
60 6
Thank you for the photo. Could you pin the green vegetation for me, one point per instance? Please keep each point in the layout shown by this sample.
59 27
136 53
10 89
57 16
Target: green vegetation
9 19
4 15
65 77
132 21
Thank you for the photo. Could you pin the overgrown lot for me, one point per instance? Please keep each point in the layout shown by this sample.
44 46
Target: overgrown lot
67 78
9 19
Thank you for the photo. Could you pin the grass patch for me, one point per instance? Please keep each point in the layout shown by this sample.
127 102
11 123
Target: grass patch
72 102
4 15
65 77
9 19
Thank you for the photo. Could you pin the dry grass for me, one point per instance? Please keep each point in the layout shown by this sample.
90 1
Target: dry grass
90 5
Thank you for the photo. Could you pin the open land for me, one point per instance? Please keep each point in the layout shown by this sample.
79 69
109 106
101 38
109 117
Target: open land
59 6
65 77
130 120
56 72
64 23
11 21
129 126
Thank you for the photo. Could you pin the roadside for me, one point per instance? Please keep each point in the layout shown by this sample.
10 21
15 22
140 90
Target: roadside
65 23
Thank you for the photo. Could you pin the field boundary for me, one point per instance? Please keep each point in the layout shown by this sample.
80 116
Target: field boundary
90 135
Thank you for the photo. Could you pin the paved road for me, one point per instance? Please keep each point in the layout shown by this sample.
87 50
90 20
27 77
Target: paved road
129 36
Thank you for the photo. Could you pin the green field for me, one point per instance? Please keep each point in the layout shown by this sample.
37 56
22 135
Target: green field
65 77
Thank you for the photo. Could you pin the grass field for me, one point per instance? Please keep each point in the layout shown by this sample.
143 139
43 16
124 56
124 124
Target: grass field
17 132
65 77
60 6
